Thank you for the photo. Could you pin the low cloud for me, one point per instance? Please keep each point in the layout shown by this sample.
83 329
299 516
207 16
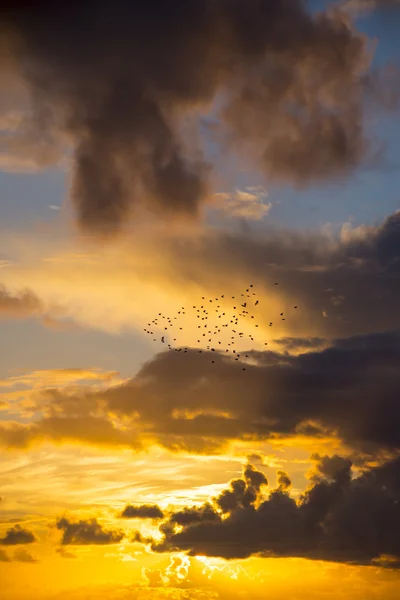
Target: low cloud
246 204
17 535
22 555
65 553
25 304
143 511
340 518
88 532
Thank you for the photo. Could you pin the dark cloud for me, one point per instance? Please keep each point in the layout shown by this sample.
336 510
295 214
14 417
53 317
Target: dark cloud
365 6
17 535
193 514
349 390
4 557
329 389
87 533
143 511
120 81
339 518
65 553
344 286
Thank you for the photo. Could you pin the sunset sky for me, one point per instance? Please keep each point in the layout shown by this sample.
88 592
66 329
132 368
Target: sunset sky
165 164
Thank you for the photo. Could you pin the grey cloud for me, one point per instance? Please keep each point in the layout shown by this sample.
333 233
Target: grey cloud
118 82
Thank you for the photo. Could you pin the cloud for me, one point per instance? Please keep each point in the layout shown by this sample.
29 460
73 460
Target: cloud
351 279
17 535
59 377
291 344
4 557
366 6
25 304
86 533
343 284
283 480
123 106
247 204
339 518
184 402
22 555
143 511
65 553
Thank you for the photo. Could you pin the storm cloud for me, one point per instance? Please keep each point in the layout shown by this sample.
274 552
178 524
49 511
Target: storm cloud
120 82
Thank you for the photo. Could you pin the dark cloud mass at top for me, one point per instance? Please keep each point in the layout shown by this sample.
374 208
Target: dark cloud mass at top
118 78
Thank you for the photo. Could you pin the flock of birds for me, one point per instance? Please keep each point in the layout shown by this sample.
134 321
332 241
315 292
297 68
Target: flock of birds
207 311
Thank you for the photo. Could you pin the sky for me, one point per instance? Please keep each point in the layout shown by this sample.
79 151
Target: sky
164 165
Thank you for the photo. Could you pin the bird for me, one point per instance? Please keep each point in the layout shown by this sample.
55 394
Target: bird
256 303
